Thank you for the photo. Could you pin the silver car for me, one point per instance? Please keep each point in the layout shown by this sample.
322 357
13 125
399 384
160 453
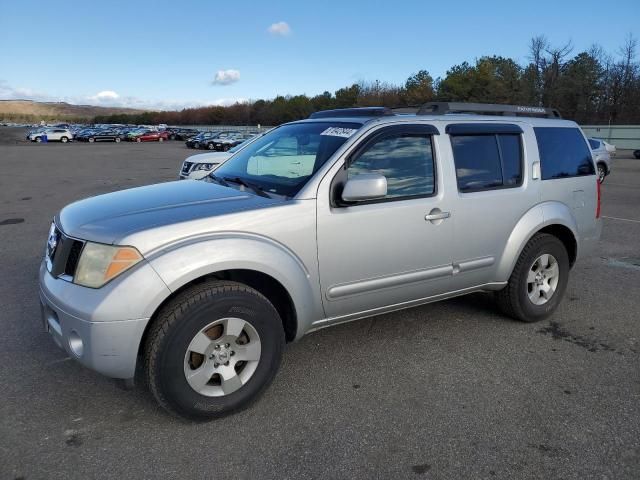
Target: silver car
198 285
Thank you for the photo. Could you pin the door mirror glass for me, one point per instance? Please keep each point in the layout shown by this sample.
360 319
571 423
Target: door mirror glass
366 186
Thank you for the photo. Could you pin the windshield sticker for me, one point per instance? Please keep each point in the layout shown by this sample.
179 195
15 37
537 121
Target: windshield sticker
339 132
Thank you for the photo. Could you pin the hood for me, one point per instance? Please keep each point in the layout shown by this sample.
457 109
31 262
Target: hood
208 157
110 217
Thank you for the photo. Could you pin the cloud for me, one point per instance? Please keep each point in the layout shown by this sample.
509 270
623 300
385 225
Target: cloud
109 98
105 95
226 77
280 28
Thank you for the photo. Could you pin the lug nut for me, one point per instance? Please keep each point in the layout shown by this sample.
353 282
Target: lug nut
226 364
217 347
216 365
232 353
227 345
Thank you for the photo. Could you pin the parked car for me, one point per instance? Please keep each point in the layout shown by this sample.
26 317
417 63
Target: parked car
151 136
601 156
610 148
348 214
102 136
197 167
52 135
226 143
200 139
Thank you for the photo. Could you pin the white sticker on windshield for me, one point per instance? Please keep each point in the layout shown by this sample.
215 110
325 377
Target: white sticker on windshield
339 132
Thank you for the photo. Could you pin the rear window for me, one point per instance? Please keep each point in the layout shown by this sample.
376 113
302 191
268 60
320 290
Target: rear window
563 153
595 144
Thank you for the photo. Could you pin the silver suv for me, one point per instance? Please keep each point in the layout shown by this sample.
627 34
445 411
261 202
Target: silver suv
196 286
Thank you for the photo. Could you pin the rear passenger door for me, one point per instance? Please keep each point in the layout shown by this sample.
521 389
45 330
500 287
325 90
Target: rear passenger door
493 192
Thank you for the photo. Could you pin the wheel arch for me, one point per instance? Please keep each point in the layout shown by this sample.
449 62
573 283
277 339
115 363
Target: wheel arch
553 218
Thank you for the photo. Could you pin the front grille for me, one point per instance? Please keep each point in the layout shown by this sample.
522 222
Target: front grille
64 256
186 167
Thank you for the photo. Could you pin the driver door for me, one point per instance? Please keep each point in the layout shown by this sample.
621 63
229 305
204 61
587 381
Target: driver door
385 253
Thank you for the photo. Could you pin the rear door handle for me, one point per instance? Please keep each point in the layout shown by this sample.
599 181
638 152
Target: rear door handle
436 214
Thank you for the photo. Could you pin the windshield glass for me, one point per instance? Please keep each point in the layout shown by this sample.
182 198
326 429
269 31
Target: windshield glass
284 159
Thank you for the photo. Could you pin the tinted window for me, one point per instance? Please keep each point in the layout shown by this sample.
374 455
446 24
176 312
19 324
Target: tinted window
563 153
477 160
511 152
595 144
406 160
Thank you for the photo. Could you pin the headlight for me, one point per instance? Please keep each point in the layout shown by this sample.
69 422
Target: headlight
204 166
101 263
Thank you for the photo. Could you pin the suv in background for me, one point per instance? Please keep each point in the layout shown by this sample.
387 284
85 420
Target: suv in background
63 135
197 286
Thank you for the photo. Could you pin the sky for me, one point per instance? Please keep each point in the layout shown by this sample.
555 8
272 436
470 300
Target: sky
181 53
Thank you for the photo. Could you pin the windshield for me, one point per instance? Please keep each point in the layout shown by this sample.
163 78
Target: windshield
284 159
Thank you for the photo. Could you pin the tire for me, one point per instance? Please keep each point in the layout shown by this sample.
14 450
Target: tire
138 140
515 299
91 139
38 139
160 139
64 139
210 146
636 154
602 172
117 139
168 350
196 145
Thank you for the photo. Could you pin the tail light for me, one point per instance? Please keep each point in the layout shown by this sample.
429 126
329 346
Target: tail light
598 199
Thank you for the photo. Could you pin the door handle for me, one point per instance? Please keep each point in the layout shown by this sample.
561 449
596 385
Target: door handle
436 214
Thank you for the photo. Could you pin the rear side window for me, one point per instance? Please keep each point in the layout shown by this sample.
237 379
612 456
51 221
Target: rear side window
487 161
563 153
595 144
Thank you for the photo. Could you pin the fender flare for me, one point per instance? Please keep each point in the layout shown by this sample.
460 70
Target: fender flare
183 262
534 220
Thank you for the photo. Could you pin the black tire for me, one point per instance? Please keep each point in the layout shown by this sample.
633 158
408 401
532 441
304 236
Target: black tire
38 139
210 146
117 139
514 301
196 145
602 172
91 139
176 325
64 139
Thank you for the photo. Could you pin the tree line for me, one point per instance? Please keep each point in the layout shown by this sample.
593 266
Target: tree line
590 87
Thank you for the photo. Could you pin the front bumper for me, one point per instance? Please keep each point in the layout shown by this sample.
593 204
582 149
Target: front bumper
101 328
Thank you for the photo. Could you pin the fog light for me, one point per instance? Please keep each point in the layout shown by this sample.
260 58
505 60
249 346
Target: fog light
75 343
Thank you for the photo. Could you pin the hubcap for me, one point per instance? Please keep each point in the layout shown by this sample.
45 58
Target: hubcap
542 279
222 357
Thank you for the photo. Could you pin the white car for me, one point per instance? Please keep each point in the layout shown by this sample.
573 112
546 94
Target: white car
601 156
610 148
63 135
196 167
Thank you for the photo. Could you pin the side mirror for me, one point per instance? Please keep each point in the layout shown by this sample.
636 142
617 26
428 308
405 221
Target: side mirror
366 186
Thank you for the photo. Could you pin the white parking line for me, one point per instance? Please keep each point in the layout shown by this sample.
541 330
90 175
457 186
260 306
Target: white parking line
621 219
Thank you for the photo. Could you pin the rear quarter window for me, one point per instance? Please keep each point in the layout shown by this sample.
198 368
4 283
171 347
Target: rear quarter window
563 153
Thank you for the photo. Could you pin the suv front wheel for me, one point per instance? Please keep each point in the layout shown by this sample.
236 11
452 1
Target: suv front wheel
538 281
213 350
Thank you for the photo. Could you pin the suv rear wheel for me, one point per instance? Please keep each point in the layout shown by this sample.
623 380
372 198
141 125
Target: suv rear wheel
213 350
64 139
538 281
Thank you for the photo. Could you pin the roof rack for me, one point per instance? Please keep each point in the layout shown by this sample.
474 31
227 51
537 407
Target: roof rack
442 108
353 112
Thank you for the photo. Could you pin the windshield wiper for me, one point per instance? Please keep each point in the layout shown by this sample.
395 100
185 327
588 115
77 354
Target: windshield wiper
255 188
218 180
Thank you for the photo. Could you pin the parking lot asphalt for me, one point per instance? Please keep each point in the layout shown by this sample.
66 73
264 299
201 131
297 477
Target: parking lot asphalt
448 390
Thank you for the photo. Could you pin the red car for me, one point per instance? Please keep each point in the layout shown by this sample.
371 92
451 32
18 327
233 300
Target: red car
152 136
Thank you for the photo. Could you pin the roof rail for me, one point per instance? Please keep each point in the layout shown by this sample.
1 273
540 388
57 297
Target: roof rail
353 112
442 108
